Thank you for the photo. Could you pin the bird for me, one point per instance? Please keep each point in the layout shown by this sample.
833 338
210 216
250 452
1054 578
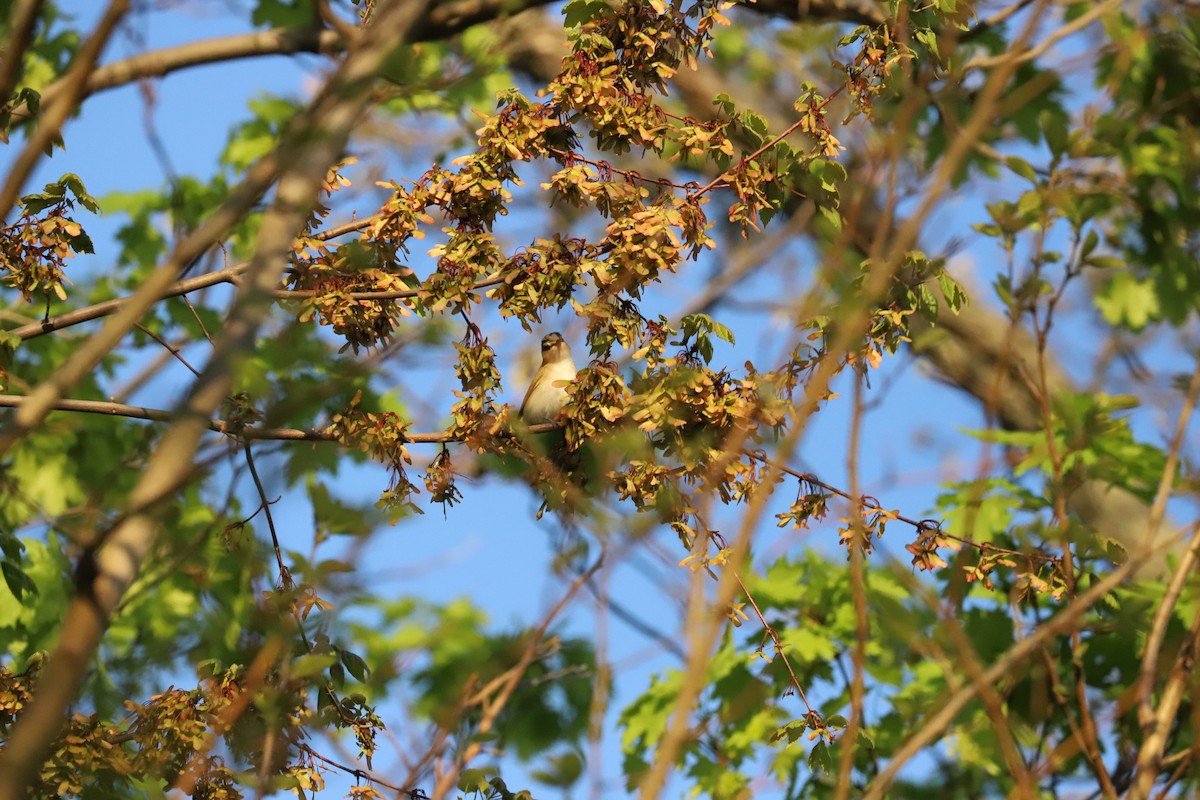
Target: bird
547 392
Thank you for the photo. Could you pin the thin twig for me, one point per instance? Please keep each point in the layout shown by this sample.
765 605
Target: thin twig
357 773
770 632
872 504
174 351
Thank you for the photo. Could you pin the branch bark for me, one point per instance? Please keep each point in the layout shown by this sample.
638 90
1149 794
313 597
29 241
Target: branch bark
21 22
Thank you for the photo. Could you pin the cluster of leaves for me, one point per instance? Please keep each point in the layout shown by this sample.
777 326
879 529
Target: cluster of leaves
382 434
35 247
620 60
1154 225
168 740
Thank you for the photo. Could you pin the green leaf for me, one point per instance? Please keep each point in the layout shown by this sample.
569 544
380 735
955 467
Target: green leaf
832 216
82 243
1089 244
926 302
755 123
577 12
1128 302
283 13
12 547
18 582
561 770
819 759
74 183
952 291
473 780
311 664
721 331
1022 167
355 665
337 676
1105 262
928 38
1054 130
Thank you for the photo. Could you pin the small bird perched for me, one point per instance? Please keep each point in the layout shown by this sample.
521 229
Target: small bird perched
548 391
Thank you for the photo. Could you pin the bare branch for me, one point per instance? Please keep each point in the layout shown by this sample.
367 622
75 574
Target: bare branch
862 12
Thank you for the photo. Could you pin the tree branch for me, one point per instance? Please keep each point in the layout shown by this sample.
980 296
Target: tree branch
159 63
251 432
861 12
448 19
21 22
1034 52
228 275
445 20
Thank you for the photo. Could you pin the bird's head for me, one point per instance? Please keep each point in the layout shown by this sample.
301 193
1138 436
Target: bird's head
554 348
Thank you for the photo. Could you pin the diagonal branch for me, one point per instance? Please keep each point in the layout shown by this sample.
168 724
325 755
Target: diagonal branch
21 22
159 63
55 112
313 142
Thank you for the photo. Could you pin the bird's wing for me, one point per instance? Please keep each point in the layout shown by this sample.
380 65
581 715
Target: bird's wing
533 384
